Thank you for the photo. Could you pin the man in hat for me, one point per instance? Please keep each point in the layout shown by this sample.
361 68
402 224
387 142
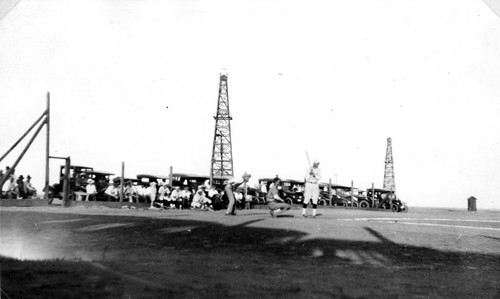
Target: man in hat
112 190
311 190
231 186
91 190
131 192
21 188
174 196
163 194
30 190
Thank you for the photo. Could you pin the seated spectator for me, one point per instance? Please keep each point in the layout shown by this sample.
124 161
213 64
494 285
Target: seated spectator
212 192
112 192
131 192
200 201
174 197
29 187
91 190
22 193
183 202
163 195
11 188
248 201
263 187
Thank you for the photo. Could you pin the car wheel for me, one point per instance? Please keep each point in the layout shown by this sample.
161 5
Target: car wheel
364 204
394 208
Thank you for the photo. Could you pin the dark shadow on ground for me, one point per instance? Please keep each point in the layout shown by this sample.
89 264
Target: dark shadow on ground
188 258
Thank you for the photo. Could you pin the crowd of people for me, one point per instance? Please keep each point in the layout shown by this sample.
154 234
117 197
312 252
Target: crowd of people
16 187
160 195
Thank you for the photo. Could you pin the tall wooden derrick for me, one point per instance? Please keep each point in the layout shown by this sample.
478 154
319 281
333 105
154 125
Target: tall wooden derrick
222 152
389 183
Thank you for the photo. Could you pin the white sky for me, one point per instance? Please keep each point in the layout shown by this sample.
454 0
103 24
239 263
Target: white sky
335 78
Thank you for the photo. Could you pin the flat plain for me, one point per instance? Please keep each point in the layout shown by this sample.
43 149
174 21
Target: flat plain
99 252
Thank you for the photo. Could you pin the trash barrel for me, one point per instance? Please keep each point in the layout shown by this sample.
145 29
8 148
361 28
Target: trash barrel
471 207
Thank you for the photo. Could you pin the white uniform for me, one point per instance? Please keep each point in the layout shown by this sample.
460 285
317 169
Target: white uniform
311 190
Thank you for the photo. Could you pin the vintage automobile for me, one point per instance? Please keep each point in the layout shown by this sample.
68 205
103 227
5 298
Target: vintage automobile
78 177
188 180
386 199
292 190
337 195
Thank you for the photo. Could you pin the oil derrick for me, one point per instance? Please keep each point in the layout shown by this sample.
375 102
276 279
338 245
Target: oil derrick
389 183
222 152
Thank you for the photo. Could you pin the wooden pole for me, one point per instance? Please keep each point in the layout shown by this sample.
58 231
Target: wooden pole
13 167
330 190
24 135
170 177
66 190
352 197
373 195
121 181
47 149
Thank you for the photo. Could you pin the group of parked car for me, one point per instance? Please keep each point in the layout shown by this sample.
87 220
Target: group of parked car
291 190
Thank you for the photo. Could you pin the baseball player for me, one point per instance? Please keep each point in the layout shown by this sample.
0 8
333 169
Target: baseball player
231 187
275 202
311 191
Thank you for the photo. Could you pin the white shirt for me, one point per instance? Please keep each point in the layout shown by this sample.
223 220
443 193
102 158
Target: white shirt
313 178
212 192
91 189
111 190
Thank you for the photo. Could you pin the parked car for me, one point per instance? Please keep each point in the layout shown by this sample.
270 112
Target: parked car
386 199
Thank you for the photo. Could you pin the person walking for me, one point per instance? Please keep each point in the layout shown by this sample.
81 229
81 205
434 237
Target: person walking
311 190
231 186
275 203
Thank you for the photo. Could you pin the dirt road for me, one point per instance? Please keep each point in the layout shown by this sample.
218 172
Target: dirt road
111 253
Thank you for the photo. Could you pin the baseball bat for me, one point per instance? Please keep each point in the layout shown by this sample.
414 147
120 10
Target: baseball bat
308 160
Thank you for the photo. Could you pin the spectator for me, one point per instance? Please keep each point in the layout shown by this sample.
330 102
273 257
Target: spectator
151 192
174 197
164 193
131 192
263 187
248 201
200 201
21 188
112 191
91 190
11 188
184 199
29 187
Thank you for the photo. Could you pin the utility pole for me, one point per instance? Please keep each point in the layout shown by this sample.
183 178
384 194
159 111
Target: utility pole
389 183
47 148
222 151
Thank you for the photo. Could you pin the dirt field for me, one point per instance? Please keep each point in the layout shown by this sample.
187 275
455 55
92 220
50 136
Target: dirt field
82 252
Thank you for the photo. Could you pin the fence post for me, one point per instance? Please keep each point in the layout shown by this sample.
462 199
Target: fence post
67 166
121 182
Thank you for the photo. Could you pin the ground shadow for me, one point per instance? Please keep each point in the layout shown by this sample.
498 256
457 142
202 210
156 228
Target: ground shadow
189 258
